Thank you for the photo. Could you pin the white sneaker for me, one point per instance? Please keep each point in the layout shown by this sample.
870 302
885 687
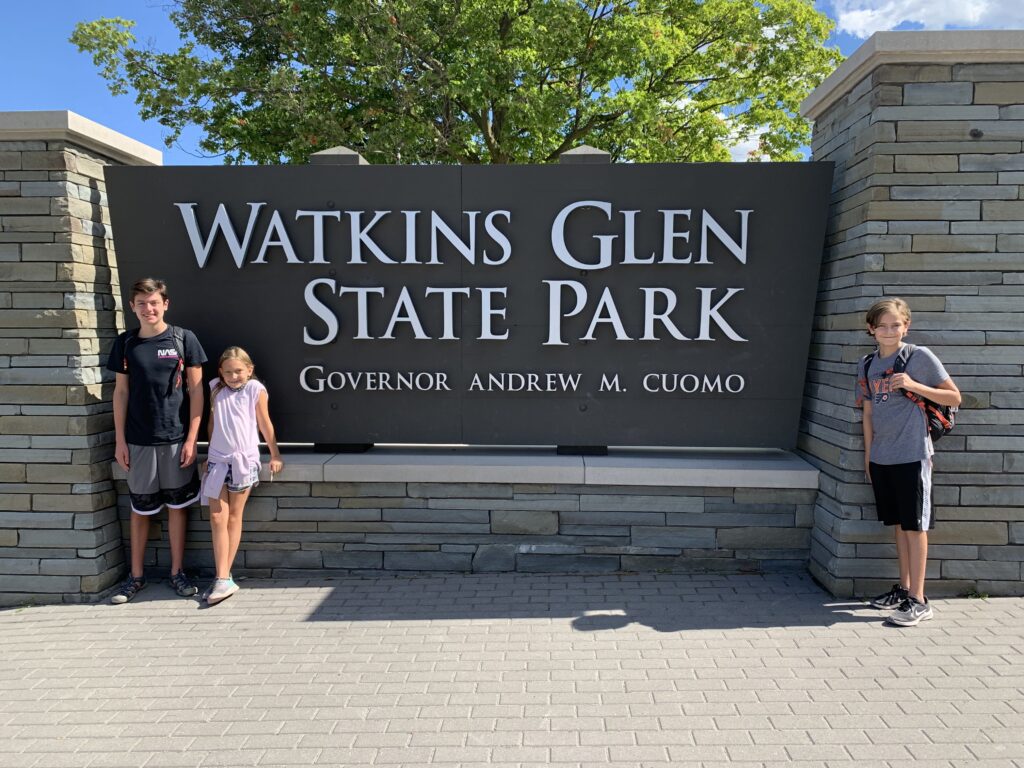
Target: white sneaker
222 590
911 612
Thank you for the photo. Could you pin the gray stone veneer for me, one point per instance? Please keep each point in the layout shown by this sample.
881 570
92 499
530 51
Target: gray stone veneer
926 130
319 517
59 535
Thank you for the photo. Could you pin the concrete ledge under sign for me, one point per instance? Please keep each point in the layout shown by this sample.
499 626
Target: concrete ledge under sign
737 469
641 467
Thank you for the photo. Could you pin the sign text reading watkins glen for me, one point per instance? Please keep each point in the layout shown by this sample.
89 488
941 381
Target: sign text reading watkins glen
665 304
490 248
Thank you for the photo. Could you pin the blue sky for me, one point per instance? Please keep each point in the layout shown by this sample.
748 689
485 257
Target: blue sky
49 73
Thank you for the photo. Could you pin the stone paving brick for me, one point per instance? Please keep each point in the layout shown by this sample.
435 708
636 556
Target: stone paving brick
289 756
459 670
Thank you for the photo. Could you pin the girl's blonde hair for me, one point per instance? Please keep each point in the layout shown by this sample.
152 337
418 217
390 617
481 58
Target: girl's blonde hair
231 353
894 305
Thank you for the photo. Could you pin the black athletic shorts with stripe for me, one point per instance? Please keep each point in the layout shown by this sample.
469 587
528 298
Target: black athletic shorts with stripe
903 494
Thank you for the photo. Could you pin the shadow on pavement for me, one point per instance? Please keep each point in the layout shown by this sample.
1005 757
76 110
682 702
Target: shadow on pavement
595 603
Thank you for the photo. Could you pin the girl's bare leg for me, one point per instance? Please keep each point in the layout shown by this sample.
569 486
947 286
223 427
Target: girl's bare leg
236 502
219 531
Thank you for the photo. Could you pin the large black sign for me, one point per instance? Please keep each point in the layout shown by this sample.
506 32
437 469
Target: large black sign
563 305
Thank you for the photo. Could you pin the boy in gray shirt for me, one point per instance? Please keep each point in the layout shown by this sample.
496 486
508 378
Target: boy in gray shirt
898 449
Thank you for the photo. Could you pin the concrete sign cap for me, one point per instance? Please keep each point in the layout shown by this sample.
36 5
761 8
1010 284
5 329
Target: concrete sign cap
337 156
63 125
584 154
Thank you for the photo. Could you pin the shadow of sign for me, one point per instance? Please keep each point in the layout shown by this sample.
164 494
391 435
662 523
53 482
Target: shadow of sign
595 604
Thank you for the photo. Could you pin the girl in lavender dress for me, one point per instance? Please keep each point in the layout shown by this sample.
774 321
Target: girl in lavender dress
238 408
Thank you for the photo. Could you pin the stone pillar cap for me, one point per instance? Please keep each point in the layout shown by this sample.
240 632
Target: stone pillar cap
960 46
584 153
337 156
63 125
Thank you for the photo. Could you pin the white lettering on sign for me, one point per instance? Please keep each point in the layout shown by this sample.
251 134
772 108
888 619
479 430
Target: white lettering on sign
277 236
513 381
605 312
605 257
443 237
440 233
318 230
221 223
482 239
317 379
692 383
313 378
404 314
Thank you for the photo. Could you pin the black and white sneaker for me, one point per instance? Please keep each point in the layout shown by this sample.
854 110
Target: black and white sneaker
911 612
891 599
183 585
130 587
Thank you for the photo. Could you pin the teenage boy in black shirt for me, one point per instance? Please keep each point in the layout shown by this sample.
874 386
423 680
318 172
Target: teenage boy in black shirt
158 404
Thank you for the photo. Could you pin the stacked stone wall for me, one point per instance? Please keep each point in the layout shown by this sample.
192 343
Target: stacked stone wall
315 528
64 519
927 205
59 534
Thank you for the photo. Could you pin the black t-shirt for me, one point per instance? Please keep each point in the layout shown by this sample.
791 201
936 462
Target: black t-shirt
157 389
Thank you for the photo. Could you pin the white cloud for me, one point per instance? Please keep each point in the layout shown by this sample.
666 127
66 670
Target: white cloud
749 148
741 152
861 18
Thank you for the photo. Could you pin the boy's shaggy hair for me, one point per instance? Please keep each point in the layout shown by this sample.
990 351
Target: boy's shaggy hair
896 306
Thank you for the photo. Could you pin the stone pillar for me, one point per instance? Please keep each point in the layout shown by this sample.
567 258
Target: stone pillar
926 130
59 309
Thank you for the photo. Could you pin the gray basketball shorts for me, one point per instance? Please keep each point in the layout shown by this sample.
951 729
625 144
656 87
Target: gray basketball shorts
156 478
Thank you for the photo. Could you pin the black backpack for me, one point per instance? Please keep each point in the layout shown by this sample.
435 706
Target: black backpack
940 418
178 335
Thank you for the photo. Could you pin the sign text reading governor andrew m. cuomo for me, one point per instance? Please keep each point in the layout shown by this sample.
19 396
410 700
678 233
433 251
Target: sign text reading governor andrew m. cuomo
626 305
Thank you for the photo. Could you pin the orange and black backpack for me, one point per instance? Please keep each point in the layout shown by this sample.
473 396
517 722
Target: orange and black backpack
940 419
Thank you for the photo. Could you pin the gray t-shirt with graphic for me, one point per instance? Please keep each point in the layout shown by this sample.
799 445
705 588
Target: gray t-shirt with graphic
899 427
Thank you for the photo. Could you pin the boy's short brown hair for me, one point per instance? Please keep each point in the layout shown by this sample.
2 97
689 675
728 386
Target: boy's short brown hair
895 305
148 285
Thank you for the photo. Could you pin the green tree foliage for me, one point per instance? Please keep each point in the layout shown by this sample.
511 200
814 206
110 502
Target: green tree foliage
476 81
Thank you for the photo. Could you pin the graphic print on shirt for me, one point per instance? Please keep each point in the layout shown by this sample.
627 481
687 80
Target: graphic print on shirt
164 354
882 388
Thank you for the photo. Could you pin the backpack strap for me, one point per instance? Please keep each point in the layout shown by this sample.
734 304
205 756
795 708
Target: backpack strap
899 365
178 336
864 382
129 336
928 408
